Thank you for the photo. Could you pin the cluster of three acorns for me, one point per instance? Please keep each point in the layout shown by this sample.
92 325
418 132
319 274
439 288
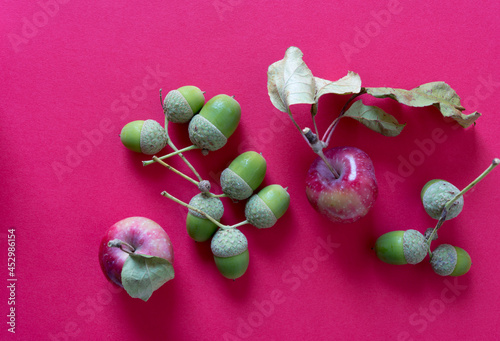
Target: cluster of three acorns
210 125
262 210
411 246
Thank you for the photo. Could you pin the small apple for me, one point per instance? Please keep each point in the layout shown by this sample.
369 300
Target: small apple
137 255
349 196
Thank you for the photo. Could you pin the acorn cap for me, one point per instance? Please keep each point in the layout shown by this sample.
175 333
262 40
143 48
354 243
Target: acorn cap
177 108
153 137
234 186
414 246
437 194
444 259
205 135
210 205
228 243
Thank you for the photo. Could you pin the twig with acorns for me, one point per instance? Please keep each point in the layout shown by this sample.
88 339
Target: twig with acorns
210 126
442 201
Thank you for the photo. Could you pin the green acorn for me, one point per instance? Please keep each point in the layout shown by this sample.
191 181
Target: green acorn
147 137
230 250
448 260
182 104
216 122
245 173
199 228
401 247
436 193
264 209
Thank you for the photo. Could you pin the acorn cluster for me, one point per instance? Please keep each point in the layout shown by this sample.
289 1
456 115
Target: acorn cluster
442 201
210 126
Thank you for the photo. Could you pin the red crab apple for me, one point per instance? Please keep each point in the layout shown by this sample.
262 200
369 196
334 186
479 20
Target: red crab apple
350 196
137 254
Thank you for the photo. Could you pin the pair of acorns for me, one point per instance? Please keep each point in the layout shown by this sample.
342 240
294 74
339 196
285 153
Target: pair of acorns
442 201
262 210
210 124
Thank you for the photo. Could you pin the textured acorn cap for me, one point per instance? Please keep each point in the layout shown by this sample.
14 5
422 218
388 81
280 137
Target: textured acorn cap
234 186
258 213
177 108
444 259
435 197
205 135
210 205
414 246
228 243
153 137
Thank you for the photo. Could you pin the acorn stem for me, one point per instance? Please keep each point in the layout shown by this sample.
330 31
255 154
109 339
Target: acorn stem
171 197
494 163
155 158
223 195
172 145
177 152
440 222
244 222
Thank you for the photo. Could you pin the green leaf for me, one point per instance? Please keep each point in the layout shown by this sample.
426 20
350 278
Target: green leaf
289 81
438 94
374 118
143 274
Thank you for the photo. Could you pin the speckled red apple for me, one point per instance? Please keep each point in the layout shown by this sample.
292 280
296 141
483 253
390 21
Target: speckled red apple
350 196
143 235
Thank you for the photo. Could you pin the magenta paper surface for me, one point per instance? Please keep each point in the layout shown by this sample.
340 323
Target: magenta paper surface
74 72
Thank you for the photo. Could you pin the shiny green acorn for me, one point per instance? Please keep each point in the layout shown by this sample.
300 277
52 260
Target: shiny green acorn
216 122
199 228
182 104
264 209
245 173
435 194
401 247
448 260
230 250
147 137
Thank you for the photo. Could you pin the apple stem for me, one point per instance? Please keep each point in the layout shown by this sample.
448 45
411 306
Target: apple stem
317 147
177 152
328 134
155 158
494 163
124 246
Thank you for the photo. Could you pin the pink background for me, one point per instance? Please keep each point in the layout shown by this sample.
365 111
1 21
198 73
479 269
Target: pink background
85 69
